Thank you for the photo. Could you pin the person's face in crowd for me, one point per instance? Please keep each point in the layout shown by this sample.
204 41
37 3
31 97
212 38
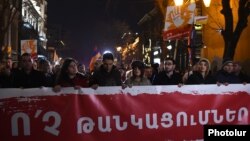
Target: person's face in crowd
169 66
237 68
9 63
97 65
228 68
27 63
148 72
108 64
195 67
72 69
15 65
81 68
136 71
203 66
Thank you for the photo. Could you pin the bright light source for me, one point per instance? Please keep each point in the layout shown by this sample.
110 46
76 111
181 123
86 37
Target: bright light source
178 2
118 48
156 53
157 60
207 2
107 51
169 47
57 63
42 38
198 27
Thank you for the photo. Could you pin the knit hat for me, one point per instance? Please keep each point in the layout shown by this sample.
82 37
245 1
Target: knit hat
226 62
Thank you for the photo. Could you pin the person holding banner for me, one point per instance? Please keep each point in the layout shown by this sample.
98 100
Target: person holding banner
70 77
226 75
202 75
107 74
244 78
137 77
45 68
27 77
168 76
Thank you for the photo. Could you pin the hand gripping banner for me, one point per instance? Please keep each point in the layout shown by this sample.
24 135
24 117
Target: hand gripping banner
140 113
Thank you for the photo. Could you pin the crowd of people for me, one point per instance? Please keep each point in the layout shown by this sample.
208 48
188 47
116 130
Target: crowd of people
69 73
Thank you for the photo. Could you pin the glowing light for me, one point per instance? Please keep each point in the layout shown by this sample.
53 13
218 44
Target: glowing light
118 48
178 2
169 47
107 51
207 2
157 60
156 53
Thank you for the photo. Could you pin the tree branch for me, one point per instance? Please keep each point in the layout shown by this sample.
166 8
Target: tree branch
243 13
228 16
11 15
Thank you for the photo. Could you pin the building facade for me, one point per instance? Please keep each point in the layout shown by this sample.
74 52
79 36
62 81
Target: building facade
22 20
33 25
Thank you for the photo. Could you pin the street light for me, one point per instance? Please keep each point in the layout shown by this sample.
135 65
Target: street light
207 2
178 2
169 47
118 49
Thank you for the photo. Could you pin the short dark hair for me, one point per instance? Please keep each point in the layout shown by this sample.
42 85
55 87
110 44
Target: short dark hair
140 65
26 54
108 56
171 59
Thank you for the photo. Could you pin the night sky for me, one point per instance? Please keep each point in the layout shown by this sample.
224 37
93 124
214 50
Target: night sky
85 20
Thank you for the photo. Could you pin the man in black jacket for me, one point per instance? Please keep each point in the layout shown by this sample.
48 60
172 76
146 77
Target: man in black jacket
27 77
107 74
168 76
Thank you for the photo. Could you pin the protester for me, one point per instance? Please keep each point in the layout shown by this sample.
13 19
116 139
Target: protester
28 77
70 77
137 77
190 71
168 76
82 69
45 67
226 74
239 73
203 74
6 74
148 73
107 74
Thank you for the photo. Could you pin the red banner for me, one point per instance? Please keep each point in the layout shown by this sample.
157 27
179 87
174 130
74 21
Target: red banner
177 33
145 113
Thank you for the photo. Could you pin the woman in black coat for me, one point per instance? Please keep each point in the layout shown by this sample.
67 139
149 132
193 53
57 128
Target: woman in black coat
203 75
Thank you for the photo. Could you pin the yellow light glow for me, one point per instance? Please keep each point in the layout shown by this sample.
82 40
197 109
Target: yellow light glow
178 2
207 2
118 48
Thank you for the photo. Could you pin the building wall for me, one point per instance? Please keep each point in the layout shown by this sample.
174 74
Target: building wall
213 39
34 19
